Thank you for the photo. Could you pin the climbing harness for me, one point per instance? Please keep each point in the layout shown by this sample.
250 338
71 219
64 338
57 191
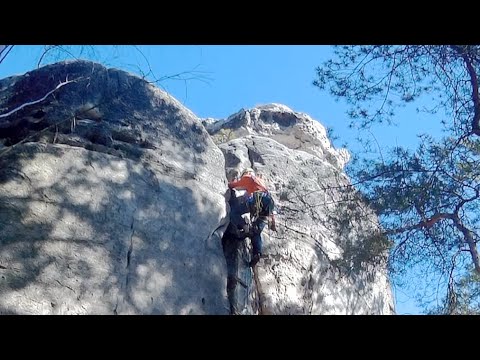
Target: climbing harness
258 204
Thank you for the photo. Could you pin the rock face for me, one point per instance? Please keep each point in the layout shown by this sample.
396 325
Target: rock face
110 191
278 122
320 259
112 201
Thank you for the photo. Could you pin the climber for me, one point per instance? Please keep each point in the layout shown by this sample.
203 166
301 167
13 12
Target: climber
260 205
235 233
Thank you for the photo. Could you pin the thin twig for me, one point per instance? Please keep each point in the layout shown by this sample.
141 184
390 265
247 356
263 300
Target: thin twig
9 47
47 49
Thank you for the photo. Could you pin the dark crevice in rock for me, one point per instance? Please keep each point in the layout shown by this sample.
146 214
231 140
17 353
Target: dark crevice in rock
250 155
130 248
254 156
38 114
284 119
21 130
129 257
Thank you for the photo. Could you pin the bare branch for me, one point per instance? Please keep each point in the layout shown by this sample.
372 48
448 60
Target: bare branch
39 100
6 49
46 50
469 238
422 224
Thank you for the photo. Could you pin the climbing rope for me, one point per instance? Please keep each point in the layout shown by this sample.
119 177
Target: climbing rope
248 275
257 197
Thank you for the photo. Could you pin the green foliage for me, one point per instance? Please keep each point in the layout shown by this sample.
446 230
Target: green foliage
427 199
463 297
363 254
376 80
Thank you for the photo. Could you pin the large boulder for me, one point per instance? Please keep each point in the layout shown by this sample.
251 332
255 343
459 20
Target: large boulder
327 256
112 201
110 195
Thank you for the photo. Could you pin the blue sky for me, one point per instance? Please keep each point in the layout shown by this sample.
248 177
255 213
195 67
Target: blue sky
231 77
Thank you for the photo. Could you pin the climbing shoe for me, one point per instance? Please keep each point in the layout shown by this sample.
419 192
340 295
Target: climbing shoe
255 260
